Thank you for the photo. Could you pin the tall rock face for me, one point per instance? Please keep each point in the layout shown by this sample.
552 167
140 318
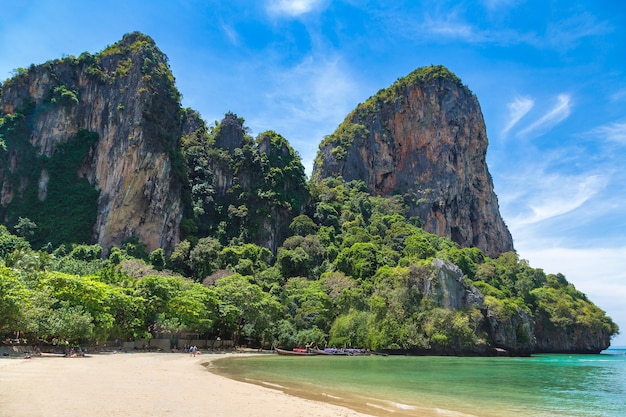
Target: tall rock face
424 138
111 121
242 190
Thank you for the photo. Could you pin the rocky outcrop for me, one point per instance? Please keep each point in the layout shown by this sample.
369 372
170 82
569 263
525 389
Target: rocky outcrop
242 190
423 138
449 289
575 338
126 95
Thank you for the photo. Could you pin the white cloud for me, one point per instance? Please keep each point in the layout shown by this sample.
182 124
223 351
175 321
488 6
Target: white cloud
566 33
231 34
614 132
517 109
553 117
293 8
308 101
451 26
554 195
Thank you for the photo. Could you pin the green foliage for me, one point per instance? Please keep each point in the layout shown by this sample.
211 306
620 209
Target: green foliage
135 248
66 211
429 74
64 96
25 227
10 243
203 258
245 306
307 304
157 259
567 308
246 259
265 180
350 330
13 295
356 270
342 139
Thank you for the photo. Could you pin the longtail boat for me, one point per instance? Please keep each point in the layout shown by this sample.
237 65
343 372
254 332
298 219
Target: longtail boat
299 352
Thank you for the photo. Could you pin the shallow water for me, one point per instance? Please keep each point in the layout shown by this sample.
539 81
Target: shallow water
542 385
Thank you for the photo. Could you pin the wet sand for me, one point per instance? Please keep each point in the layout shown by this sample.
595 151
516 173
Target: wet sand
141 384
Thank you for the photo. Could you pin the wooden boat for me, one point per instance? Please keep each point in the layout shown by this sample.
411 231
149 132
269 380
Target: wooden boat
299 352
331 352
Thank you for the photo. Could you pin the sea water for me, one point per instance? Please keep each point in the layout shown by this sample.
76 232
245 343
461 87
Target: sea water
541 385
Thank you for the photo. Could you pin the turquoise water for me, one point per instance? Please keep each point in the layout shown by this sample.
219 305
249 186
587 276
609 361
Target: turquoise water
542 385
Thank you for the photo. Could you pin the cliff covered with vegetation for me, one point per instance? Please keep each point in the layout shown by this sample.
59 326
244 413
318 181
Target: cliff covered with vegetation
423 138
126 216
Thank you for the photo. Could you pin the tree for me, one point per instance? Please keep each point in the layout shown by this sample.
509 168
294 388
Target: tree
25 227
203 258
360 260
10 242
14 297
80 297
302 225
157 259
245 304
179 260
308 304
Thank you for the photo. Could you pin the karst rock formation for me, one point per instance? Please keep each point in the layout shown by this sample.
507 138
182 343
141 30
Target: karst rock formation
424 139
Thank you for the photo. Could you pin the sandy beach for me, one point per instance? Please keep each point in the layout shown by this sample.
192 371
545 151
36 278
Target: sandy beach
141 384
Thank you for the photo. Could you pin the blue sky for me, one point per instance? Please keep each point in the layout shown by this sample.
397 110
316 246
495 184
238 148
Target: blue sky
550 76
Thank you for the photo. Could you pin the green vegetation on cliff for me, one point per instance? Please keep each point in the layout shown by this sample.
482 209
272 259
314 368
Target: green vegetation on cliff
354 125
266 258
62 205
357 273
240 187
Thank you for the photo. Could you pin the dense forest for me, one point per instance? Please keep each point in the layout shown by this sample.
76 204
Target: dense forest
352 274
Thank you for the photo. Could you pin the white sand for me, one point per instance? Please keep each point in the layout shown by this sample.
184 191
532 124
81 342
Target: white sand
140 384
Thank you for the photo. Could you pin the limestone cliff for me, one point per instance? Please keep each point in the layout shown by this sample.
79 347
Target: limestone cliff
244 189
424 138
126 97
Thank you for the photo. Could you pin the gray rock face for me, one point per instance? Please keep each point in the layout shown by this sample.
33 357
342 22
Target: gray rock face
126 95
423 138
450 289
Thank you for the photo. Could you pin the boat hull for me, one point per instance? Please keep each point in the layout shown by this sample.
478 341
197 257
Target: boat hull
294 353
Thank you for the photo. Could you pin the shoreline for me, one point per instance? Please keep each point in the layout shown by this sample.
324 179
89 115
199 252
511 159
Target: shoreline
143 384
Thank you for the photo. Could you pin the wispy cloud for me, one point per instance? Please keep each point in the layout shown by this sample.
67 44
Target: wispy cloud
555 195
566 33
306 99
293 8
451 26
517 109
553 117
499 4
230 33
613 132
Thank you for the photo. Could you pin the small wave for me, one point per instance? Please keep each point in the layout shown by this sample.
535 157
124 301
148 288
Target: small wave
452 413
380 407
334 397
403 406
269 384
